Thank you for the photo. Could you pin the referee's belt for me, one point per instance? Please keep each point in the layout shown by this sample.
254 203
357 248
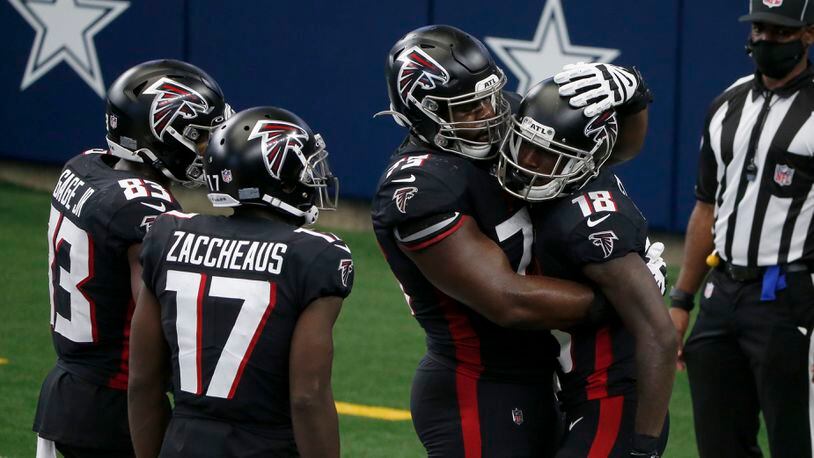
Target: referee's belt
753 273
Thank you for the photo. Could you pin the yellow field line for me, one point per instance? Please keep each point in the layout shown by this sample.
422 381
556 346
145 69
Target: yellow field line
379 413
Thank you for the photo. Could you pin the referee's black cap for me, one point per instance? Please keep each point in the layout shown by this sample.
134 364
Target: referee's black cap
788 13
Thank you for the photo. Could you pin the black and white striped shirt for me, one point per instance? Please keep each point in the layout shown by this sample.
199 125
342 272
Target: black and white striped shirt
763 211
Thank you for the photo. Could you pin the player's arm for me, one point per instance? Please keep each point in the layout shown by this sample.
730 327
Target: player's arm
313 412
629 287
632 132
148 407
472 269
698 244
133 254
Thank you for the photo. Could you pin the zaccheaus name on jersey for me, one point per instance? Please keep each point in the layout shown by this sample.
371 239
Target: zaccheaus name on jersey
67 192
203 250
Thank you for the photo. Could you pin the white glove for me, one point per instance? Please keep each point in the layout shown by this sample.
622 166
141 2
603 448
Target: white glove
597 87
656 264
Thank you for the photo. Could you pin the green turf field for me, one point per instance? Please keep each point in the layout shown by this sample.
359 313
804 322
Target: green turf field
378 344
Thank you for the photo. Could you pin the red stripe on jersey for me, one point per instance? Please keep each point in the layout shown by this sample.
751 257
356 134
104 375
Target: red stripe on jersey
438 237
119 379
597 386
199 333
467 373
255 337
607 431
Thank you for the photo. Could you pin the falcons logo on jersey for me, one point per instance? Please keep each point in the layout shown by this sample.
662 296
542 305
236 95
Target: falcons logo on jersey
278 137
173 99
345 269
418 69
604 240
402 195
603 127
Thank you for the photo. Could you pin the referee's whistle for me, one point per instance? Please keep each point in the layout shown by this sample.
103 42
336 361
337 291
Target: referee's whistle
713 259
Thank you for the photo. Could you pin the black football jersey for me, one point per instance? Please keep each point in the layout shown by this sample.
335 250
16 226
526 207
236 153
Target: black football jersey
423 196
231 290
97 213
595 225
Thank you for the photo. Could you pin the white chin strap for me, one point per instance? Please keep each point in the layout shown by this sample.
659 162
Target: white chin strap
477 152
310 216
122 152
136 156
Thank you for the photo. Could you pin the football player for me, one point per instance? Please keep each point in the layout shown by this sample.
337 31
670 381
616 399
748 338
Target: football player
239 310
159 116
459 247
616 375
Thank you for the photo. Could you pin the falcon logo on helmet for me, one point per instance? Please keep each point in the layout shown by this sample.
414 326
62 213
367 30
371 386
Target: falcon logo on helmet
604 240
603 127
402 195
278 137
173 99
418 69
345 268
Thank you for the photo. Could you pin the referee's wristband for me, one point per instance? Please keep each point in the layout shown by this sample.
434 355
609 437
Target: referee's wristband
681 299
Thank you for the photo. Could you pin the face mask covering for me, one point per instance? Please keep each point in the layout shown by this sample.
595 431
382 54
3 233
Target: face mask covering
776 60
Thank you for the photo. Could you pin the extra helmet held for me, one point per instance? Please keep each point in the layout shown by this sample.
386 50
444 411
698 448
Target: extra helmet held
552 149
269 156
438 71
160 113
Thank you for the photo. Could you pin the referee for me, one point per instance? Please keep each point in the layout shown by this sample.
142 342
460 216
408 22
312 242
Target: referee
749 350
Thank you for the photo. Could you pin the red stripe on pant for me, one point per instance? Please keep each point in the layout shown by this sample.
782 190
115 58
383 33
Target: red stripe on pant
610 419
467 374
597 387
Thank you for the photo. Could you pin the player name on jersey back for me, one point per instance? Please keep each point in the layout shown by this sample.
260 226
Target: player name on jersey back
66 192
220 253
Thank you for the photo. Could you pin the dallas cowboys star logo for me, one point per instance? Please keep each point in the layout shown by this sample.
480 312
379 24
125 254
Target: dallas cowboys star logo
545 54
64 33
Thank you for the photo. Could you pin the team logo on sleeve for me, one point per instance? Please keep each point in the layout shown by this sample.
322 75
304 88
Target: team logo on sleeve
418 69
278 138
604 240
772 3
402 195
173 99
345 269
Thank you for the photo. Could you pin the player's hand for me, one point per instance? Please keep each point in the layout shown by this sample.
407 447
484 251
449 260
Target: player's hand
681 320
597 87
656 264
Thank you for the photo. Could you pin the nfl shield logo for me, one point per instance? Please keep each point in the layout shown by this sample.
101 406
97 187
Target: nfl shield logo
517 416
783 175
226 174
772 3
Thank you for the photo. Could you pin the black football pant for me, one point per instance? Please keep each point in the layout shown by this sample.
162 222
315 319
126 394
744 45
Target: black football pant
745 356
603 428
83 419
461 416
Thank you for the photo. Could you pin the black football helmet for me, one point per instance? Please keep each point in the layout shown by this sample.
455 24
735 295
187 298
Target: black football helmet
552 149
161 113
435 71
269 156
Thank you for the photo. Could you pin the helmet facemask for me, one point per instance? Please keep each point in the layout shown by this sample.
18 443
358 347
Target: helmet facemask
558 169
473 138
316 174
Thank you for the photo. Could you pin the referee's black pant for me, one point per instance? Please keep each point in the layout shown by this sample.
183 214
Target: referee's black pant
745 356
